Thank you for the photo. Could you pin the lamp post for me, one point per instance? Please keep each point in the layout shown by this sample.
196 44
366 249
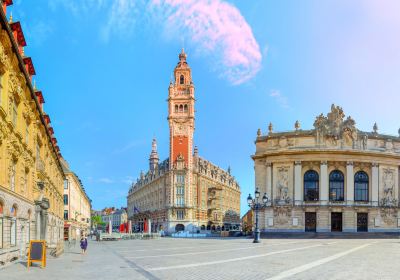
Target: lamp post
257 205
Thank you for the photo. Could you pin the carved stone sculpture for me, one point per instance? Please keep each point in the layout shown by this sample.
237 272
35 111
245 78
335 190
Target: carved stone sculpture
282 186
388 199
335 128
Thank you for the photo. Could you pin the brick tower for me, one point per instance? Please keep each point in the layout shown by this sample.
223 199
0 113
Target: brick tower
181 126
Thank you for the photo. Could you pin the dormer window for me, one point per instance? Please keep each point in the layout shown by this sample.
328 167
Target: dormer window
182 80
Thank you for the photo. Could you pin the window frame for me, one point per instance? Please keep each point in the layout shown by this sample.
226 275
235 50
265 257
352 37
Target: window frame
361 185
306 187
333 185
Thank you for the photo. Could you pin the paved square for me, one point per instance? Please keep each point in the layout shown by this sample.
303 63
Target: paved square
169 258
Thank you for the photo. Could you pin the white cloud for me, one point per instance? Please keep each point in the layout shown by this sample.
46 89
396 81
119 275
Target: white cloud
105 180
212 28
279 98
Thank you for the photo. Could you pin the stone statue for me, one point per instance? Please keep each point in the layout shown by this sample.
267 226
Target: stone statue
282 186
335 127
388 188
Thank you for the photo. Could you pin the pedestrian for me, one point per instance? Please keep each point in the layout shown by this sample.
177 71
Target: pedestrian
84 244
97 236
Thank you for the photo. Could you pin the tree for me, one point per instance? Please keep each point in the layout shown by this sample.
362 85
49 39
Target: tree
96 220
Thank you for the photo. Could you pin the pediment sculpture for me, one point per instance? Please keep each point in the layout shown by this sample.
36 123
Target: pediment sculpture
335 127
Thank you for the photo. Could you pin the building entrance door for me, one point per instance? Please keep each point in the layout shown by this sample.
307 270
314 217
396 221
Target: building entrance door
362 222
311 222
336 221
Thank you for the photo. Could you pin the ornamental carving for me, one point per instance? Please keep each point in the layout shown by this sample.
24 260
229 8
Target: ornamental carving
282 186
335 127
180 129
389 216
388 199
15 85
3 56
282 215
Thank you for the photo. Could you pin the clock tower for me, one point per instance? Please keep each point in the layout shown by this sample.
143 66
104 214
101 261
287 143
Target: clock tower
181 127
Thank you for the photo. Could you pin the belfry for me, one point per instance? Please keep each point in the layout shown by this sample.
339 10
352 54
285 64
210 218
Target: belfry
184 192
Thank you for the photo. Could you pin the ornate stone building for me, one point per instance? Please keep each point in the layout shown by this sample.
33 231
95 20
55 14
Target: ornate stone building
331 178
77 206
185 191
31 177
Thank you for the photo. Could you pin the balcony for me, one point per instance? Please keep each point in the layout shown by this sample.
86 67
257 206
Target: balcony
215 188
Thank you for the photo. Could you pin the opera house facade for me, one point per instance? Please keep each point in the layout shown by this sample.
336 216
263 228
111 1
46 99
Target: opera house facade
330 178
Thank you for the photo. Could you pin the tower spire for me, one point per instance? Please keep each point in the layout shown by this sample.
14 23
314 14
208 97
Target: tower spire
153 160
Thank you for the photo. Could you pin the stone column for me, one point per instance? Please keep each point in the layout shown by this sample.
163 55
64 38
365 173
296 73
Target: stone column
324 186
375 184
38 223
269 180
349 183
298 194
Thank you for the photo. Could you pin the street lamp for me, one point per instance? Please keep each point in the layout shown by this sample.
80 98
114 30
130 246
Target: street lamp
257 205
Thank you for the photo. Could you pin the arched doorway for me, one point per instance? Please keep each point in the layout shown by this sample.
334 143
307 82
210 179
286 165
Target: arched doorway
179 227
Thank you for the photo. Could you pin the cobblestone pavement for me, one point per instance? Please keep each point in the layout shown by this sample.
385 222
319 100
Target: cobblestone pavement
177 259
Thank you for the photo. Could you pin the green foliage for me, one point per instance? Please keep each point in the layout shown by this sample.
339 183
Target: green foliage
97 221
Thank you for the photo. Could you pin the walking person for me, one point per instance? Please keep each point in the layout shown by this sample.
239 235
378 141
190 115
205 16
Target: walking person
84 244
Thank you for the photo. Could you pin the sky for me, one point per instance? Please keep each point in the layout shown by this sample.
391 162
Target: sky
104 68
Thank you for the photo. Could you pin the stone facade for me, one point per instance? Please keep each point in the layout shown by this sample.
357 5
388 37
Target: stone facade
31 177
331 178
77 206
185 191
116 217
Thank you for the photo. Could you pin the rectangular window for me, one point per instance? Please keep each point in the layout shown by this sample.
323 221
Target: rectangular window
27 134
179 215
180 179
12 176
65 199
13 232
37 151
65 214
14 113
25 182
65 184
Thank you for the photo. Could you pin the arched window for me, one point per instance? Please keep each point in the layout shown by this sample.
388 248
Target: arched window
176 108
311 186
203 227
185 108
180 108
182 80
336 186
361 182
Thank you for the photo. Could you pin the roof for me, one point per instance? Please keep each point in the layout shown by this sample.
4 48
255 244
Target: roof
16 27
28 62
39 96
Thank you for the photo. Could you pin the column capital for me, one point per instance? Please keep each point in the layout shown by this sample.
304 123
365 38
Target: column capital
268 164
349 163
375 164
324 162
297 162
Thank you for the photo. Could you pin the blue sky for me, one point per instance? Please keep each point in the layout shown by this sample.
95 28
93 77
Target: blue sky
104 68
